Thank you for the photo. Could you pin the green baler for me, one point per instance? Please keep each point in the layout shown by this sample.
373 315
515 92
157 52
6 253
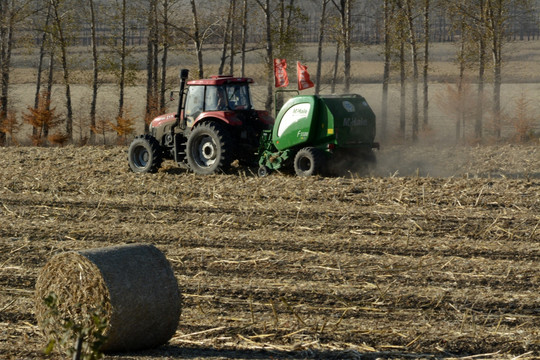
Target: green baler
312 134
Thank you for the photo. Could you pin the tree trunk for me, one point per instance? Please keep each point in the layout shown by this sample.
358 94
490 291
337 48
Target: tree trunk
6 43
155 61
347 46
344 9
403 85
244 38
281 28
123 55
426 62
225 44
95 71
335 73
497 81
269 53
460 121
290 16
48 94
478 127
63 52
495 11
414 58
40 65
165 55
232 37
386 72
150 100
197 39
322 24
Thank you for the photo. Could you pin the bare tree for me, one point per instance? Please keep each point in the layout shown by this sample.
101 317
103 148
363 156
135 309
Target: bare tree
197 39
95 69
387 10
474 15
227 35
344 8
480 32
117 60
265 6
123 58
409 11
43 30
151 100
322 25
61 18
166 44
244 37
232 35
50 81
426 62
402 81
499 15
496 25
7 23
203 25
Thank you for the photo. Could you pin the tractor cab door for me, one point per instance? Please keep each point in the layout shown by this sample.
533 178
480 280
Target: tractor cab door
194 103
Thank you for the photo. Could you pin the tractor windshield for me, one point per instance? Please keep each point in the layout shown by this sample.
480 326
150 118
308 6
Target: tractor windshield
227 97
238 97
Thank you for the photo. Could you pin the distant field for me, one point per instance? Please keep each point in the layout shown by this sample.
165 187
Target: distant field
521 78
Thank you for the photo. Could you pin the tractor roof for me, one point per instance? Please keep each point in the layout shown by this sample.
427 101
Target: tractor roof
220 80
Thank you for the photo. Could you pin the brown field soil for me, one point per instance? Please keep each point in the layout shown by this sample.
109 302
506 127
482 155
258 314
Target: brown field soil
436 254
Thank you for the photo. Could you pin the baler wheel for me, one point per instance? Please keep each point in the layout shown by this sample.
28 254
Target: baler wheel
263 171
309 161
209 149
144 154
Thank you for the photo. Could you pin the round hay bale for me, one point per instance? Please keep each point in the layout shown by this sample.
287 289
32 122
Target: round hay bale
132 286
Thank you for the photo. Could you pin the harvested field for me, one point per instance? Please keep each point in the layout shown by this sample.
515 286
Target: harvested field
434 255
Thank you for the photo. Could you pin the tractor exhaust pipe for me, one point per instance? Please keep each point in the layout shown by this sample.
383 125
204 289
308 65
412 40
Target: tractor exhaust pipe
183 77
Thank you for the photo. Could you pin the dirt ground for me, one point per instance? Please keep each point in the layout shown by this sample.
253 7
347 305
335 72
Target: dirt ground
435 254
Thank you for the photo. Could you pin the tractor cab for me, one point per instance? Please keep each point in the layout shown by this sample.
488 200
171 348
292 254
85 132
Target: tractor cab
217 94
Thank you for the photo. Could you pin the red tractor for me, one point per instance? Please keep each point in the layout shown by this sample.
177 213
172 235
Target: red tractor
215 125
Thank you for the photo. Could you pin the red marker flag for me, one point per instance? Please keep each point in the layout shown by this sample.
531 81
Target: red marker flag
303 77
280 73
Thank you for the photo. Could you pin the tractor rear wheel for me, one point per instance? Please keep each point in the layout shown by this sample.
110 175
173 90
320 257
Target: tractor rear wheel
309 161
209 149
144 154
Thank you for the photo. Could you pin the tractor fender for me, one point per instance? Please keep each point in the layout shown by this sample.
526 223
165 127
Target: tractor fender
227 117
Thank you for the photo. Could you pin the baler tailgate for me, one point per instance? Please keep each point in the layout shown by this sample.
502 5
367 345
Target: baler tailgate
354 121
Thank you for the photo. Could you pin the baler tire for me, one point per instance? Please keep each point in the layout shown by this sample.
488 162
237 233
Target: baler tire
144 154
209 149
263 171
309 161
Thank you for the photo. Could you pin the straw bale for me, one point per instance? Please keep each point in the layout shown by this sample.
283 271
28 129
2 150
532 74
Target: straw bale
134 285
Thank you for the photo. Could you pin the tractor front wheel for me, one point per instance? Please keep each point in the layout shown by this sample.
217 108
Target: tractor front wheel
144 154
209 149
309 161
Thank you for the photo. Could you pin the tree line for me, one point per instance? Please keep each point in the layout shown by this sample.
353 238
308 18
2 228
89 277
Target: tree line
114 31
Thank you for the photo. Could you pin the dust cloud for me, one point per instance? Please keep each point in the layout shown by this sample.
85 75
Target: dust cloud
494 161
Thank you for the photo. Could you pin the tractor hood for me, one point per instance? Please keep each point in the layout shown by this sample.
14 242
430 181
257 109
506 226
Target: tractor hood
163 120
